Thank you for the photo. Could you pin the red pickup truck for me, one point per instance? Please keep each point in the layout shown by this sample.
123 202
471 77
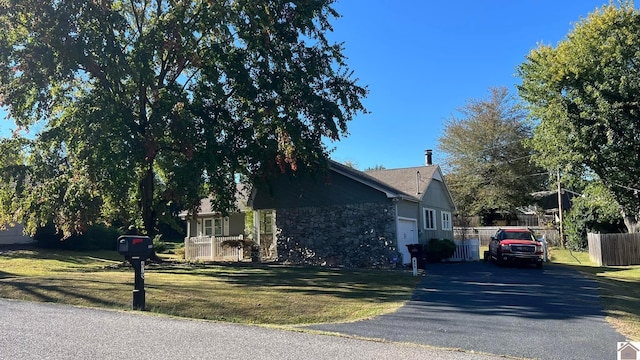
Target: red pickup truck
515 246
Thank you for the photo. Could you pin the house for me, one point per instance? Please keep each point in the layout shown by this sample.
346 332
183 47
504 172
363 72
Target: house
209 232
13 234
344 218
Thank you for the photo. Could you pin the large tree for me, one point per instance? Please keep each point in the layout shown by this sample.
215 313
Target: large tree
145 104
487 161
585 92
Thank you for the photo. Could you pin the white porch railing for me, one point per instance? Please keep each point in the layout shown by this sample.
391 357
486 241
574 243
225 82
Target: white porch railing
467 250
210 248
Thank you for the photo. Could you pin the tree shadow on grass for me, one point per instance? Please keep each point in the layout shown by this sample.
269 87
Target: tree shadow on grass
74 257
70 291
373 285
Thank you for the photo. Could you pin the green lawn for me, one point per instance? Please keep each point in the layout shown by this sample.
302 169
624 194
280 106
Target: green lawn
619 289
243 293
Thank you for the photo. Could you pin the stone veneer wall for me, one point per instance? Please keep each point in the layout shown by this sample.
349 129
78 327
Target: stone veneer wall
357 235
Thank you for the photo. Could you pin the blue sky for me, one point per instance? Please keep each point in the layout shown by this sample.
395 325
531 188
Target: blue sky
423 59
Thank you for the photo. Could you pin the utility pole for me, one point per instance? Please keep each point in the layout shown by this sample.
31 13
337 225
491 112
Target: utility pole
560 210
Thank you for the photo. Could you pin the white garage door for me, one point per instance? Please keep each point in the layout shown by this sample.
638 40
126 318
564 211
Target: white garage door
407 234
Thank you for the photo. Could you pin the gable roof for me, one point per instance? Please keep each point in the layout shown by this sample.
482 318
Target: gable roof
373 182
412 180
206 207
408 184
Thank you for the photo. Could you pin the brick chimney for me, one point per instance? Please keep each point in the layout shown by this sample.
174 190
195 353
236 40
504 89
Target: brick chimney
428 157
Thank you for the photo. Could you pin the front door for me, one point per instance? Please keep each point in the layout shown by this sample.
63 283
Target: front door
407 234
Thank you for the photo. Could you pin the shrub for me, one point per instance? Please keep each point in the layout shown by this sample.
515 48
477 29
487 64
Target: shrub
438 250
179 251
159 246
96 237
596 212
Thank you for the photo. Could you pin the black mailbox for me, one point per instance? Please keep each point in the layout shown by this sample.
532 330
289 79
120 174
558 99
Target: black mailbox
135 246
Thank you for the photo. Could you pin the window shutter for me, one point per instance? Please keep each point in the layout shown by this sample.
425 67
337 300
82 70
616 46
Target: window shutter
226 226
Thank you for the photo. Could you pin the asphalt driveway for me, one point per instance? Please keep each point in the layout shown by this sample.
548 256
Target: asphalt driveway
34 331
554 313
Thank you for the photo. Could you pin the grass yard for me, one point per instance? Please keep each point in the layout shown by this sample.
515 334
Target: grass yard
243 293
619 289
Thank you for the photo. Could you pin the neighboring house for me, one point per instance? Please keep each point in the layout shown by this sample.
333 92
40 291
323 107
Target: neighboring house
14 235
346 217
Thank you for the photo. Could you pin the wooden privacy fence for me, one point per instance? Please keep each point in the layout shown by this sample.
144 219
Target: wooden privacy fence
210 248
614 249
551 236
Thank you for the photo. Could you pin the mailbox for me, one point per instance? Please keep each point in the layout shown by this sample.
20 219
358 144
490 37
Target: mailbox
135 246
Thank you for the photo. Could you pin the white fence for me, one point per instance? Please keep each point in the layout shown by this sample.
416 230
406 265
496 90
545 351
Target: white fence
551 236
466 250
210 248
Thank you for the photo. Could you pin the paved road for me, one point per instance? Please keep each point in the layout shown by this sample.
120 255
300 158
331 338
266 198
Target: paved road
552 313
57 332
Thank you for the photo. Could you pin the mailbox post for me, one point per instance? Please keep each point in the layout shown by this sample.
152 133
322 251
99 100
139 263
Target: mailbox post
136 249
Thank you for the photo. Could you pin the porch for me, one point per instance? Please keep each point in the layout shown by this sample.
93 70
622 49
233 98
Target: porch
210 248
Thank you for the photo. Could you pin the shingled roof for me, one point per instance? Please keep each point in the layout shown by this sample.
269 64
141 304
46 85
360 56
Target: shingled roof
206 207
412 180
389 189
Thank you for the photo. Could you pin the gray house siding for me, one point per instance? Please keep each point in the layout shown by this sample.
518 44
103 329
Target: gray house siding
331 221
335 189
407 209
437 195
236 224
436 198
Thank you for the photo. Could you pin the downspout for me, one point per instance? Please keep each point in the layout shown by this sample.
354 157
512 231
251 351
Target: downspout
395 210
256 229
186 239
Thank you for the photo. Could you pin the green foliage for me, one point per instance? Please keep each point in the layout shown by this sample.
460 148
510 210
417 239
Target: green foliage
596 211
159 246
179 251
487 162
438 250
376 167
95 237
584 92
249 227
147 107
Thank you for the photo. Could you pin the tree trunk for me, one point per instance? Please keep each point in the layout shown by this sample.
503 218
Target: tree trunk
631 222
146 206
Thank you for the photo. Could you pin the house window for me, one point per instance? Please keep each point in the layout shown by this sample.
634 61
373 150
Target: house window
429 219
207 227
446 220
218 226
266 222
